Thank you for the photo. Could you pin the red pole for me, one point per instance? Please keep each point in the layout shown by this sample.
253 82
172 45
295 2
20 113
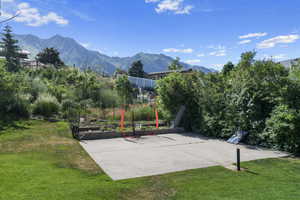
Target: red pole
156 115
122 119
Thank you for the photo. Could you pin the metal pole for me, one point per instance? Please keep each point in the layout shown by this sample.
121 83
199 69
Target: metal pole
133 124
238 158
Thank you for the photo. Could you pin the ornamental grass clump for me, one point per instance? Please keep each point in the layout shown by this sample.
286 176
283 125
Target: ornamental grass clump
46 106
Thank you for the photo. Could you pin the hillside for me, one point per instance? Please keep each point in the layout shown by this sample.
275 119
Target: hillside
72 53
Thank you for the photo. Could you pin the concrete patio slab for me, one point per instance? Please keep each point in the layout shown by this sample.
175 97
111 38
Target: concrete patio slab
123 158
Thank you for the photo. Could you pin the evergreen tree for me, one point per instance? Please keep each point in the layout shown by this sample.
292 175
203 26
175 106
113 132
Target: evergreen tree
50 56
227 68
10 50
137 69
175 65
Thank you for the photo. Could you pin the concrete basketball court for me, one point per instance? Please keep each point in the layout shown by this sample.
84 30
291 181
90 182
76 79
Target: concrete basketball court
124 158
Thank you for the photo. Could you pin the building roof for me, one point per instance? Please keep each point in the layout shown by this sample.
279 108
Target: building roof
170 71
24 52
289 63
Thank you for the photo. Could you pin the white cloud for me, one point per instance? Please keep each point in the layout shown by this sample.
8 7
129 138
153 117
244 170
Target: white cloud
193 61
220 50
253 35
201 55
32 16
216 47
218 53
174 50
175 6
218 67
275 57
282 39
244 42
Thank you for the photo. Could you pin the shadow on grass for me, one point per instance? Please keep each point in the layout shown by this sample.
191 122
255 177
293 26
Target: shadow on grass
12 124
251 172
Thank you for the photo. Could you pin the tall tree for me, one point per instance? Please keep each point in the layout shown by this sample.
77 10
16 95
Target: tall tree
137 69
50 56
10 50
175 65
124 90
247 59
227 68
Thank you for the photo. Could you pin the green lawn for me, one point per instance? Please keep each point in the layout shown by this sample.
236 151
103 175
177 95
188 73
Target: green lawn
40 160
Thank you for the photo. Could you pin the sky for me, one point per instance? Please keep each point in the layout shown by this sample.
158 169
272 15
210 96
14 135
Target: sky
200 32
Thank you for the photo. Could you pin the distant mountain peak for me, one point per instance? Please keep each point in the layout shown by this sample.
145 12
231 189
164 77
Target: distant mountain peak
72 53
59 36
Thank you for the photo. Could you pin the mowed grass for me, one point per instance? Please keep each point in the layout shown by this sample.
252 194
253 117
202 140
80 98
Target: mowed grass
41 161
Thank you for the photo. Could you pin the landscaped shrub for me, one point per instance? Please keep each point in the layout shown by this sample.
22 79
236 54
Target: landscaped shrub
36 87
109 98
70 110
282 129
20 106
46 105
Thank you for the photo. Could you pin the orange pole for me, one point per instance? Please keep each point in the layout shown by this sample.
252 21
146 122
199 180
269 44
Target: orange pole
156 115
122 119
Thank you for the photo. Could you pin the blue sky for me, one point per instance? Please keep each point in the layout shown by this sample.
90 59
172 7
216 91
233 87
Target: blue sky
201 32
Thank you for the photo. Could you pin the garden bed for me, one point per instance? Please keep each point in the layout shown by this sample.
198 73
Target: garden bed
94 133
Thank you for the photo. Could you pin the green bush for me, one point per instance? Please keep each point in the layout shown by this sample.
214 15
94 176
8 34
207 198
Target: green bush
142 113
13 103
70 110
176 90
282 129
21 106
36 87
46 105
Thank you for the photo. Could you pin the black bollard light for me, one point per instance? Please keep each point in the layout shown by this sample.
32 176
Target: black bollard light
238 158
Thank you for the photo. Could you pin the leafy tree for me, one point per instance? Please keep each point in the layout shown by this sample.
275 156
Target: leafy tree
175 65
282 129
10 50
50 56
13 103
124 90
137 69
177 90
227 68
247 59
120 71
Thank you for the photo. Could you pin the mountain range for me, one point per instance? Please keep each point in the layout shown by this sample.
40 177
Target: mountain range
72 53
